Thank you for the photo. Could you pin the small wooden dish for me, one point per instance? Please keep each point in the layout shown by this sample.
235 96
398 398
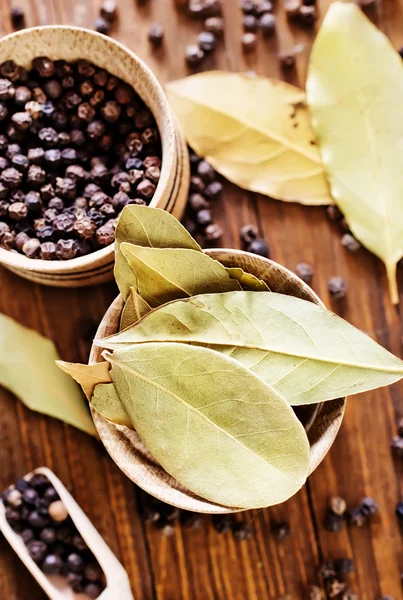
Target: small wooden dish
71 44
56 586
321 421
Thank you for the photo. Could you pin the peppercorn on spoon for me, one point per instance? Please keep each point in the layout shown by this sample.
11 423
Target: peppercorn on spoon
57 587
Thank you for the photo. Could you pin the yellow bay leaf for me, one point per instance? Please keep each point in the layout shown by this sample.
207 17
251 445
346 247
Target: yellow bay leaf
253 130
354 88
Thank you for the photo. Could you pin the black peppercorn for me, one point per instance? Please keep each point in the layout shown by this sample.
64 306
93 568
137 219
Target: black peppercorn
47 251
10 70
63 225
93 572
369 507
355 518
338 505
267 24
95 129
350 243
204 217
213 190
11 177
31 250
242 531
17 211
193 55
93 590
27 536
33 202
250 23
307 15
3 111
249 42
85 228
7 240
35 519
20 240
75 563
20 162
259 247
281 530
105 235
17 16
332 522
52 565
207 41
146 189
304 271
197 202
205 171
67 249
43 66
156 34
215 25
48 535
37 550
248 233
7 90
343 566
223 523
337 288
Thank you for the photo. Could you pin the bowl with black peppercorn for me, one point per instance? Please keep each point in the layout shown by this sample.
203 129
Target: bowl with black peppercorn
321 421
85 129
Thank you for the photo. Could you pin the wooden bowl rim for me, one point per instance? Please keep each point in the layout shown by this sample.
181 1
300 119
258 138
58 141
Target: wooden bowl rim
14 259
208 506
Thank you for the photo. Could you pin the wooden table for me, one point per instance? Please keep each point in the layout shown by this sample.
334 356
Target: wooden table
201 564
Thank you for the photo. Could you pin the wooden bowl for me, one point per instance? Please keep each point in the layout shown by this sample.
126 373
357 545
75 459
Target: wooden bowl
321 421
73 43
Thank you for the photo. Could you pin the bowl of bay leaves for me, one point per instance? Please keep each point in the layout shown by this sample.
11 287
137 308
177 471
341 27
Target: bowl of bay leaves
217 379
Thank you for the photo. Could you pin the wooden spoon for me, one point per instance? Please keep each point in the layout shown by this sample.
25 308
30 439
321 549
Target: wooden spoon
56 587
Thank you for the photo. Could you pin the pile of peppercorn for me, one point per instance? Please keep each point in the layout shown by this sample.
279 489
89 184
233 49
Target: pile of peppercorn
35 511
76 146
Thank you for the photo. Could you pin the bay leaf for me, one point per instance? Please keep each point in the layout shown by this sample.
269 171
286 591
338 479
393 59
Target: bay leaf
88 376
307 353
106 401
212 424
354 88
134 309
244 127
248 281
151 228
164 274
28 370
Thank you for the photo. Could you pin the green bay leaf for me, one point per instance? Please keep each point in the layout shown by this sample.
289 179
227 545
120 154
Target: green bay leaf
212 424
248 282
28 369
151 228
134 309
354 88
165 274
107 403
307 353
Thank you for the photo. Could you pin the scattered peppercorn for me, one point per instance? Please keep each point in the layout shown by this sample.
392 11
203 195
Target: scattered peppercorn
332 522
193 55
250 23
343 566
315 593
267 24
108 10
305 272
242 530
207 41
259 247
17 16
156 34
249 42
101 25
307 15
369 507
281 530
337 288
223 523
248 233
334 213
350 243
215 25
355 518
287 60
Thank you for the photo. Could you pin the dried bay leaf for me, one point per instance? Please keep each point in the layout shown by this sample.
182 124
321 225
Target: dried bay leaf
354 88
28 369
134 309
212 424
106 401
244 127
304 351
248 282
165 274
151 228
88 376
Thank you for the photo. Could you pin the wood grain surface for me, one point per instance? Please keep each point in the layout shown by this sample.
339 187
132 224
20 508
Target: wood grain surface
200 564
